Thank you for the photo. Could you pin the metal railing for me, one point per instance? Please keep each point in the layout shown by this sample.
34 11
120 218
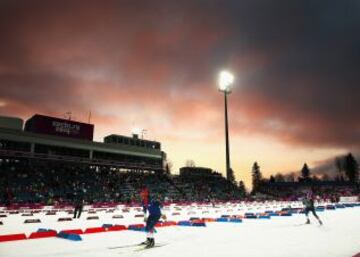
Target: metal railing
99 162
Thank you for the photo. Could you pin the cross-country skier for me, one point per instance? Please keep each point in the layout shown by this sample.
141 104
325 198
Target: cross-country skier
152 216
308 202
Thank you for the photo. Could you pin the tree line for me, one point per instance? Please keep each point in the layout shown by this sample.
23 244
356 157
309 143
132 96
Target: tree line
347 170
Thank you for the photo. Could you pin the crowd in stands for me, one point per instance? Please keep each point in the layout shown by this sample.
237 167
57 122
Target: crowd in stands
56 183
215 187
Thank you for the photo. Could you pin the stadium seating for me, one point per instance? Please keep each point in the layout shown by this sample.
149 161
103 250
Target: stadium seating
55 183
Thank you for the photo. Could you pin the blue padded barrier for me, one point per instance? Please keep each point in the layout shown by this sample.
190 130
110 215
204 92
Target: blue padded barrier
72 237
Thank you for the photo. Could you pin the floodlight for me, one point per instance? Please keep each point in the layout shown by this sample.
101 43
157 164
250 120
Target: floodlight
226 79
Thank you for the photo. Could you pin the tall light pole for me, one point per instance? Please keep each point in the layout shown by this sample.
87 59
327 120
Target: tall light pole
226 80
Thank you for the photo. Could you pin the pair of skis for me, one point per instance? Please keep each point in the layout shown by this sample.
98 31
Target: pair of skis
137 247
304 224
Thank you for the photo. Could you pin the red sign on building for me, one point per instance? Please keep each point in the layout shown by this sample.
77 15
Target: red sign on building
59 127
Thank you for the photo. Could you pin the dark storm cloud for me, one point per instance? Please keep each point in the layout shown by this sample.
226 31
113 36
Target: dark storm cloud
328 166
296 62
310 81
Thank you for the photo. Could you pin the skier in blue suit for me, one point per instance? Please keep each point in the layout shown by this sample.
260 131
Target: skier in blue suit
152 216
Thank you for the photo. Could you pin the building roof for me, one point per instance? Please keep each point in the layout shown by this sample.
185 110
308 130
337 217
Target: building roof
28 137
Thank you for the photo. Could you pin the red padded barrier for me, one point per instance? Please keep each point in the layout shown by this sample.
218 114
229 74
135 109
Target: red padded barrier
136 226
94 230
117 228
208 219
73 231
166 224
170 223
12 237
44 234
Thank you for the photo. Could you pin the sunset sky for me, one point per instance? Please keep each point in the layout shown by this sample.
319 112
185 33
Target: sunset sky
154 65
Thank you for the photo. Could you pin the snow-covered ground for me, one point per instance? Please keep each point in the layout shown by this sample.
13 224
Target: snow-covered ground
275 237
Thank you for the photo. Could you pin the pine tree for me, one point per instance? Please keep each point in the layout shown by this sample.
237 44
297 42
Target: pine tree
242 188
305 172
272 179
351 168
256 177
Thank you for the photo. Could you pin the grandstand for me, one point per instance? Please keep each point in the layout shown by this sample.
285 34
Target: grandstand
51 158
55 139
201 183
58 155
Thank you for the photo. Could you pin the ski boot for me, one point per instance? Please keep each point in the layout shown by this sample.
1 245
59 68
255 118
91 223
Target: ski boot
147 242
151 243
307 222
